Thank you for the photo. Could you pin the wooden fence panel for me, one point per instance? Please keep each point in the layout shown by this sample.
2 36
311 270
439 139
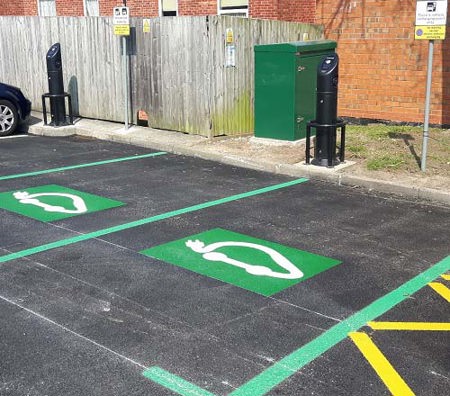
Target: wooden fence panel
233 87
177 70
90 54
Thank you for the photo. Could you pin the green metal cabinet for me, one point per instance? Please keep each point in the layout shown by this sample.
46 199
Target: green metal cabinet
285 87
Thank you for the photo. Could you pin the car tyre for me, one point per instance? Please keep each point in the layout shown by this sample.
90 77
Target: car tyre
8 118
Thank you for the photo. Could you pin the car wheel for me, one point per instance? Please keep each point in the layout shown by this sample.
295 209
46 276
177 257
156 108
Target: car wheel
8 118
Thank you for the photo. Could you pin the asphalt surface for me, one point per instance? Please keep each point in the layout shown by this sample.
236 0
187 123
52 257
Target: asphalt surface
86 309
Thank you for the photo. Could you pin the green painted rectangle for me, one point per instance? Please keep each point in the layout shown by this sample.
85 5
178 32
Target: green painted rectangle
253 264
52 202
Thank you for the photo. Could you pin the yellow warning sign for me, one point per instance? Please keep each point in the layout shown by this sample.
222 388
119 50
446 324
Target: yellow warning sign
146 26
229 36
436 32
122 30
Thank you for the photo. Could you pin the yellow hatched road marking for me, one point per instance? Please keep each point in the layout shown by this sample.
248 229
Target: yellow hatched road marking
446 276
441 289
410 326
396 385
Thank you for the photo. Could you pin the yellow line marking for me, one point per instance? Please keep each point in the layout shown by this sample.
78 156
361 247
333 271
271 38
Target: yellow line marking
410 326
396 385
446 276
441 289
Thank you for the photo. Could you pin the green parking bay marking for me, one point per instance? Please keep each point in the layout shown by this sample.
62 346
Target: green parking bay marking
253 264
148 220
80 166
292 363
53 202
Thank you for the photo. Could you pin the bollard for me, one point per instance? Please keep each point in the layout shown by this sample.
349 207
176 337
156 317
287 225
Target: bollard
326 122
56 92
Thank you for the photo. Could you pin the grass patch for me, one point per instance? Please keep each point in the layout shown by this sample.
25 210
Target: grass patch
398 148
357 150
385 162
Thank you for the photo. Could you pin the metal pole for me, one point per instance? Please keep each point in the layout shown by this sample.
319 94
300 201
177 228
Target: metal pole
423 165
125 73
125 77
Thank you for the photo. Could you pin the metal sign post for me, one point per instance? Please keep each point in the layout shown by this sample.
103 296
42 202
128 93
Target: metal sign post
423 162
125 78
431 18
121 22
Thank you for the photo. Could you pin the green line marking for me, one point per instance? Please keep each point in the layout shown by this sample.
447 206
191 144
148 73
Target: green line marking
137 223
53 202
174 383
283 369
250 263
111 161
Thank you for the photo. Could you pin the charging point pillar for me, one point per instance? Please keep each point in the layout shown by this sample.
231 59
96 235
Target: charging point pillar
326 122
56 92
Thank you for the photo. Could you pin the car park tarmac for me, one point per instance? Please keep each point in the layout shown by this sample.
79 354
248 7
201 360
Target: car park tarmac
130 271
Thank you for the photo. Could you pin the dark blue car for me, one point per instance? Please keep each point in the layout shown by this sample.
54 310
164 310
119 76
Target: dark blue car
14 108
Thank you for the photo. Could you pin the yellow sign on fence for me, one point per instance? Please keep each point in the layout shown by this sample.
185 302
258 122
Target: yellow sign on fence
121 21
122 30
146 25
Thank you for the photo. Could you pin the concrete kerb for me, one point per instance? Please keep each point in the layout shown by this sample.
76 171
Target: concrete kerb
46 130
179 143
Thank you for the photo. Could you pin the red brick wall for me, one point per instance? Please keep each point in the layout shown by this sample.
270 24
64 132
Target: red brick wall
283 10
18 7
264 9
142 8
150 8
286 10
199 7
297 10
69 8
138 8
383 69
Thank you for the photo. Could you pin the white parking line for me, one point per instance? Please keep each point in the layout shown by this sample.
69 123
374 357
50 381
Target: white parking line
14 136
42 317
